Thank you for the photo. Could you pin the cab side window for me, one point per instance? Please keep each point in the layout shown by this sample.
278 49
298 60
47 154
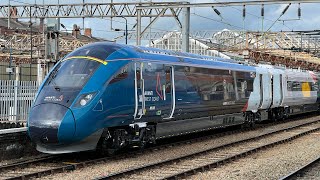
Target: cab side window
120 75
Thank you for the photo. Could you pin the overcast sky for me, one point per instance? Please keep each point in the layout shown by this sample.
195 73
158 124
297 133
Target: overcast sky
203 18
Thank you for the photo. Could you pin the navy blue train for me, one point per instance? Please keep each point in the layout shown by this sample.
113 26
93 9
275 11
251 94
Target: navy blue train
107 96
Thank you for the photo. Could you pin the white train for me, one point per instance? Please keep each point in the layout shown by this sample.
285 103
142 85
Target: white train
278 93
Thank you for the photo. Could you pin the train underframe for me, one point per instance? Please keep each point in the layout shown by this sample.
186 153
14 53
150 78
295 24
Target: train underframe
139 134
116 138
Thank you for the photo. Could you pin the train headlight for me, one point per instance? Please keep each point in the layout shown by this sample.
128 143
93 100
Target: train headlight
85 99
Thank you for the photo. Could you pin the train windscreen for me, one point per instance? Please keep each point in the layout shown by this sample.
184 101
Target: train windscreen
73 73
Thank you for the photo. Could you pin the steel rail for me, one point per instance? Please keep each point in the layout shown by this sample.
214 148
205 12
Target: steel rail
74 166
122 174
27 162
302 169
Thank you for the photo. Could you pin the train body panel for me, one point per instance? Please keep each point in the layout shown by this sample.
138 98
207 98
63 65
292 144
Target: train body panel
299 88
254 101
106 95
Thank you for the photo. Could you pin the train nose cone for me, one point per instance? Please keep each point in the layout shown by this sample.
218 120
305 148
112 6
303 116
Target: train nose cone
48 121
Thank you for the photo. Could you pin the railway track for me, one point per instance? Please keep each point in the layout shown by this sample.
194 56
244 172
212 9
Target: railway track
55 164
186 165
11 171
12 136
309 171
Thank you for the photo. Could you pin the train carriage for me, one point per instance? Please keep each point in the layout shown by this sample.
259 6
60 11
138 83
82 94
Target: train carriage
107 96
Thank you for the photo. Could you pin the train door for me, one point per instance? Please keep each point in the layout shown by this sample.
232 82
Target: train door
281 89
276 89
139 91
265 88
154 90
169 92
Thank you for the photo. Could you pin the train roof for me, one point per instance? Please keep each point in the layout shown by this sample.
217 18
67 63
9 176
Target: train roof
113 51
181 58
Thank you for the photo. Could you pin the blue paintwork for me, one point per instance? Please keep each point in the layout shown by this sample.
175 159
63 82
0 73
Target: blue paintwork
67 128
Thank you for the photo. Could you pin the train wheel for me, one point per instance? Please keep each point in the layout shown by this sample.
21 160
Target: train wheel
112 141
250 118
144 136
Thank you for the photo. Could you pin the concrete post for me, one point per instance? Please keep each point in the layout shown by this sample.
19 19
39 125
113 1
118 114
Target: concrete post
40 68
185 29
15 113
138 27
17 72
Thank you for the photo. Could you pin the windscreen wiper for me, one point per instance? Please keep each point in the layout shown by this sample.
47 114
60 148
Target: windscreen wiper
53 75
56 88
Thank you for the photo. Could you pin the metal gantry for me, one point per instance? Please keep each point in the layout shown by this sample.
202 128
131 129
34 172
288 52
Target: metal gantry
88 10
21 45
138 10
180 11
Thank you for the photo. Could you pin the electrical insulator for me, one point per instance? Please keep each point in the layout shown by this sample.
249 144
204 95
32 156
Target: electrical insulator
299 11
52 35
244 11
217 11
286 9
262 11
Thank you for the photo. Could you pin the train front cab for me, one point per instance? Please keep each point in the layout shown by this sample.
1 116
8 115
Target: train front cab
60 120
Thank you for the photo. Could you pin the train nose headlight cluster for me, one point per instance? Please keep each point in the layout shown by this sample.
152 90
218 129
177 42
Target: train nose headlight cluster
85 99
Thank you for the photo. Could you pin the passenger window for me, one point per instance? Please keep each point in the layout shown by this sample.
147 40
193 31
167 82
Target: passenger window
301 86
244 84
296 86
289 86
314 86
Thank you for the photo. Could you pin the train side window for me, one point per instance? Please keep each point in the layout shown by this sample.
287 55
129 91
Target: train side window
289 85
241 85
244 86
168 79
296 86
153 75
122 74
314 86
180 80
301 86
250 85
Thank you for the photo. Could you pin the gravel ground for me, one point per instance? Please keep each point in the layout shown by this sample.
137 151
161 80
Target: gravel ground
310 173
94 171
272 163
198 161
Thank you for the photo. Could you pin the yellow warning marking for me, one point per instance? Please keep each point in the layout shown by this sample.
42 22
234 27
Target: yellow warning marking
305 87
87 57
